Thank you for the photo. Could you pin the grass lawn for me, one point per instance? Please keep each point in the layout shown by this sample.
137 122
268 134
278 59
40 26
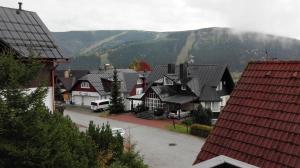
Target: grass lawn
178 128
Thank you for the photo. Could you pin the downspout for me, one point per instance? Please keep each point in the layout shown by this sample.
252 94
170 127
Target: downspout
53 84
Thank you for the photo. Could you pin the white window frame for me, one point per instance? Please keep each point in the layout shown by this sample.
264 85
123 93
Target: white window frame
139 81
215 106
168 81
138 91
85 85
220 86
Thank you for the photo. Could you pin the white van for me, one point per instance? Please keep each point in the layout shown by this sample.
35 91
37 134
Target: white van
100 105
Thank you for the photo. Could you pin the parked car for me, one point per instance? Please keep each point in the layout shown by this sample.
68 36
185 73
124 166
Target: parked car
100 105
179 114
115 131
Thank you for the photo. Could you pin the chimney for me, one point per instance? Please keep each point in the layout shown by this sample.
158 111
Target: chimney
183 74
20 8
67 73
171 68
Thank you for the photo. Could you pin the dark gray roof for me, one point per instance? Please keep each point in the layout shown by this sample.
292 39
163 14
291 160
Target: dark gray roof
171 95
73 73
25 32
203 79
67 82
127 77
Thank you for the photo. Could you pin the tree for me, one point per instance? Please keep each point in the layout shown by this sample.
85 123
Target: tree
140 65
109 147
202 116
117 105
31 136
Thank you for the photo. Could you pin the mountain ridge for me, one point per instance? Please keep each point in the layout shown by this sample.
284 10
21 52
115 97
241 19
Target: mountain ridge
209 45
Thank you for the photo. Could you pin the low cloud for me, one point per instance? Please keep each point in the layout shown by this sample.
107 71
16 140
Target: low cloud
280 17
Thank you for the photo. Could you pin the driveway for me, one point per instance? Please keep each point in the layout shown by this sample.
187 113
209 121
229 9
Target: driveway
152 143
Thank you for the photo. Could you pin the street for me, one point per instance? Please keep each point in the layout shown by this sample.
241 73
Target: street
160 148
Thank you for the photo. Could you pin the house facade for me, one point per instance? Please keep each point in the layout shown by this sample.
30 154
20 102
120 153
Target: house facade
97 85
260 123
65 80
173 87
24 34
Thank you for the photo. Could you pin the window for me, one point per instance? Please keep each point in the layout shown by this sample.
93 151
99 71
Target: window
153 102
167 81
139 91
183 87
215 106
85 85
207 105
219 87
104 103
139 81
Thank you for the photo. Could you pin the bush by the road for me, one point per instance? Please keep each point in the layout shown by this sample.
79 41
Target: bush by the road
200 130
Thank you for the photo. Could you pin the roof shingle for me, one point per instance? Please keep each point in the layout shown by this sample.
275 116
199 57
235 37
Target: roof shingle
260 124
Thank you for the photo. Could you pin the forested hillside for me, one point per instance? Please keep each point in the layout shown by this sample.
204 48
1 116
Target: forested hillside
90 49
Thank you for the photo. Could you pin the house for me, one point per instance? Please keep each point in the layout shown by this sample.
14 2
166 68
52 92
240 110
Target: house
172 87
22 33
97 85
260 125
65 80
138 90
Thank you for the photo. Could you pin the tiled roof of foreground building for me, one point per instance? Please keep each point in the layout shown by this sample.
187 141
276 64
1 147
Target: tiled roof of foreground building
260 124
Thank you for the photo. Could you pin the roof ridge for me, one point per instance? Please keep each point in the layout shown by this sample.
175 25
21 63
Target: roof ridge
11 8
275 62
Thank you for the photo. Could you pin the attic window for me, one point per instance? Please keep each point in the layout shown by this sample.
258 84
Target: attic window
85 85
167 81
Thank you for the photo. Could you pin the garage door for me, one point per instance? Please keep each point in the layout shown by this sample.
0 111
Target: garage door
77 100
88 99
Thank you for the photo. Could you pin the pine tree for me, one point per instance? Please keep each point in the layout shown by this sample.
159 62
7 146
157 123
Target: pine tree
117 105
31 136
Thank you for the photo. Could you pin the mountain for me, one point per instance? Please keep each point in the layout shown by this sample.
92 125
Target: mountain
91 49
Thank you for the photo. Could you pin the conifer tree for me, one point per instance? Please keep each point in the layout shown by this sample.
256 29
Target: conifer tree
117 105
31 136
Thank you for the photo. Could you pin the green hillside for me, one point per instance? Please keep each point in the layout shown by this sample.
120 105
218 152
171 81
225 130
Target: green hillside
90 49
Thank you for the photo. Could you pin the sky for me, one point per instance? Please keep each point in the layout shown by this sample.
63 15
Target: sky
279 17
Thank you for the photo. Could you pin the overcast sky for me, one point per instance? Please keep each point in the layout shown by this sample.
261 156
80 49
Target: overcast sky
280 17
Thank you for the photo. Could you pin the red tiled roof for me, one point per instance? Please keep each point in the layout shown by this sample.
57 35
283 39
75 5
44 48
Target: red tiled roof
260 124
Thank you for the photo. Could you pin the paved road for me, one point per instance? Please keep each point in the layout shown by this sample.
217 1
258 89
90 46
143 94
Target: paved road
153 143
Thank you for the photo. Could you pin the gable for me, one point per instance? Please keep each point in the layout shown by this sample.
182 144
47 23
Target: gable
78 86
199 77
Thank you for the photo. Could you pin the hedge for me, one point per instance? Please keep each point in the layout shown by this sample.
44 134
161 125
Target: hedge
200 130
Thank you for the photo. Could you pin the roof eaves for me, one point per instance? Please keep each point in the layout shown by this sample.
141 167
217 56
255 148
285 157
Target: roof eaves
221 159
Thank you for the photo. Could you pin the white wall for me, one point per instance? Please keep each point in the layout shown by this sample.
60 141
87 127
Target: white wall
48 100
79 97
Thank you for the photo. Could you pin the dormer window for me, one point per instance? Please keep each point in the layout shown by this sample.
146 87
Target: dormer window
167 81
139 81
85 85
183 87
220 86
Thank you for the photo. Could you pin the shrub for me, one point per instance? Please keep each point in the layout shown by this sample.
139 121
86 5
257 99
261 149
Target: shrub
158 112
202 116
187 123
201 130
